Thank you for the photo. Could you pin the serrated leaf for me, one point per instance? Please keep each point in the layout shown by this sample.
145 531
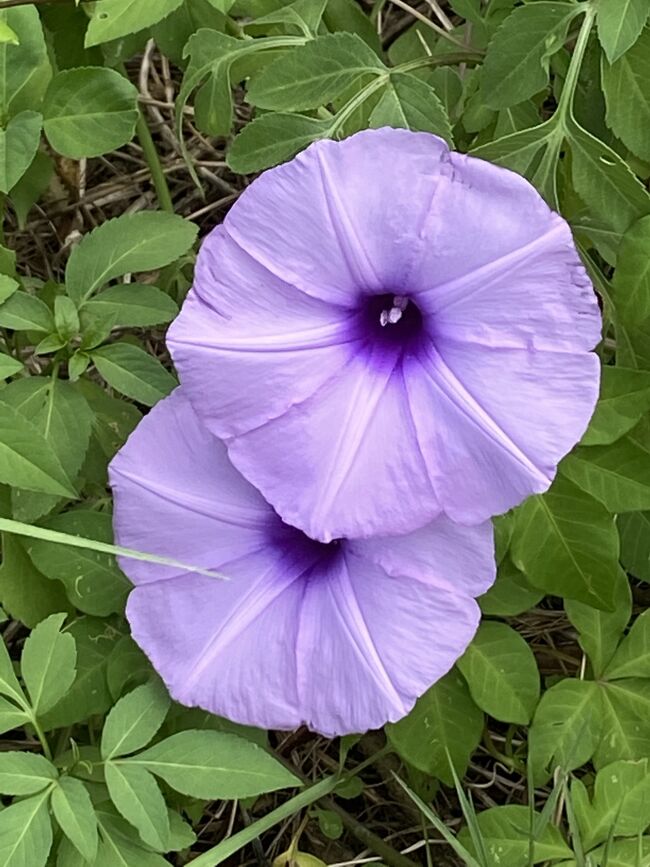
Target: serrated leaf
73 810
47 663
506 831
445 721
631 281
566 728
11 717
635 543
618 475
273 138
626 85
120 845
26 833
94 582
305 15
632 659
619 24
135 305
30 187
604 181
89 694
134 720
517 61
314 74
24 68
600 631
26 458
131 243
112 19
624 398
501 673
23 773
210 764
18 145
566 543
23 312
133 372
136 795
411 103
89 111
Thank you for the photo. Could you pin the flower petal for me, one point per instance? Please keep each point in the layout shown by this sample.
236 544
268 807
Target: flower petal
346 462
172 471
261 344
493 425
343 216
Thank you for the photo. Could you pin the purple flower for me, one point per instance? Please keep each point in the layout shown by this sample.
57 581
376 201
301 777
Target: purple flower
383 331
341 636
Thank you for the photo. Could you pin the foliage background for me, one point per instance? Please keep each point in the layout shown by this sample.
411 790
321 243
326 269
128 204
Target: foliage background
128 127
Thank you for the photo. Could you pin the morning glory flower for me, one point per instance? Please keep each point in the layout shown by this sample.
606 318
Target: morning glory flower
384 331
341 636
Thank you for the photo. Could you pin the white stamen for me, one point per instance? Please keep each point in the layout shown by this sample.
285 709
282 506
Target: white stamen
400 301
383 318
394 315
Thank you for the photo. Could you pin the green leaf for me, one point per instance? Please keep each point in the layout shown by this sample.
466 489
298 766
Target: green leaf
112 19
314 74
623 853
632 659
626 85
173 32
566 728
136 795
133 372
7 34
445 721
89 111
600 631
273 138
89 694
506 832
9 366
9 685
566 543
26 458
618 474
511 594
635 543
18 145
66 318
26 594
624 713
24 68
120 845
11 717
133 305
94 582
631 281
134 720
48 663
210 764
604 181
131 243
23 312
26 833
408 102
73 810
64 418
517 61
620 23
620 805
31 187
624 398
25 773
501 673
7 286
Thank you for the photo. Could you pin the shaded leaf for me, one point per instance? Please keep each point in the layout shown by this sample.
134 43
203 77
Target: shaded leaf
272 138
18 145
619 24
626 85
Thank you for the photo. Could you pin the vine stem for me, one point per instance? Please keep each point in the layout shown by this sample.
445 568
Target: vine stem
153 161
40 734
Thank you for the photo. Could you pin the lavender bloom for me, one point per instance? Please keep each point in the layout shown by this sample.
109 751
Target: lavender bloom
383 331
341 636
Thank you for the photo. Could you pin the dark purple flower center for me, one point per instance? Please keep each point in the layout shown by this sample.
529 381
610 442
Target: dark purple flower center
299 548
391 321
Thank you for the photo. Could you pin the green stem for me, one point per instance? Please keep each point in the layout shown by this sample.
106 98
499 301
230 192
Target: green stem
565 105
387 854
153 161
40 734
